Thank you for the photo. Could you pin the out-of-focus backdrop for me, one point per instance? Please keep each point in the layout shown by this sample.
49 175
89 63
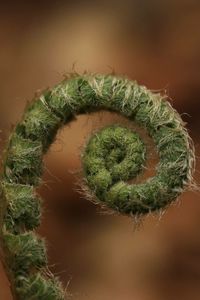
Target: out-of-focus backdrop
98 256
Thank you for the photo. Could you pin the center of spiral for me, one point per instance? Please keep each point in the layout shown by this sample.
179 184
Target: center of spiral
113 154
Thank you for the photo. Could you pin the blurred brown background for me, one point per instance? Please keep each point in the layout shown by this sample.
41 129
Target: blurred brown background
97 256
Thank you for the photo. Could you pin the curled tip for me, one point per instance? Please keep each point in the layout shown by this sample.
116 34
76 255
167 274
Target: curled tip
112 156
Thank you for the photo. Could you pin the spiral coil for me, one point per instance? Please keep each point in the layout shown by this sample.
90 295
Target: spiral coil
112 156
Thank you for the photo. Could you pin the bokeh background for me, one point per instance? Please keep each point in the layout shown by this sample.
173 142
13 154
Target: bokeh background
100 256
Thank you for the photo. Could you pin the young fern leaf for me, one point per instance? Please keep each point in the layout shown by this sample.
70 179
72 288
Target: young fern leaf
113 155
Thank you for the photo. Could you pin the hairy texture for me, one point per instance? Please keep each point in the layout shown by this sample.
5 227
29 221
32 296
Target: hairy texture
113 155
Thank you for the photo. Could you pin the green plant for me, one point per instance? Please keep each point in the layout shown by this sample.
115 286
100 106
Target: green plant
111 157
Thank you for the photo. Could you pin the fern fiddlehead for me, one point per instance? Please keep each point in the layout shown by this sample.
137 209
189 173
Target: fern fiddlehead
112 156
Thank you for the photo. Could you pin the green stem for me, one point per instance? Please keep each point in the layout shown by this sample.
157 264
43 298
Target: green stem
112 156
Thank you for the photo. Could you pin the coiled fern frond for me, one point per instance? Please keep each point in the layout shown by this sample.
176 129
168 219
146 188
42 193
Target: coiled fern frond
112 156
